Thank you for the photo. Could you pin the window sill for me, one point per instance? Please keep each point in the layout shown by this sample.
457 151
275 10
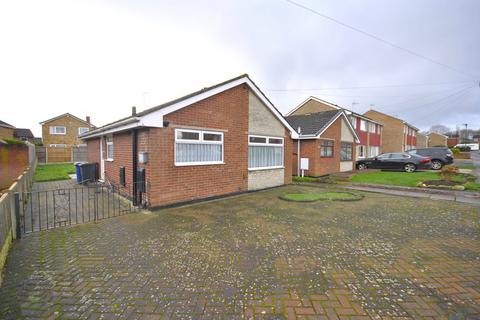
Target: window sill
187 164
109 160
346 160
265 168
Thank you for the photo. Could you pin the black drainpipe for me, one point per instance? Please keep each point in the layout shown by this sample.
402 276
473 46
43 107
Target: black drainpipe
134 165
134 160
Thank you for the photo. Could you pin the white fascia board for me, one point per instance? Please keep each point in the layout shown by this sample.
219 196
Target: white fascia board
204 95
113 129
153 119
342 114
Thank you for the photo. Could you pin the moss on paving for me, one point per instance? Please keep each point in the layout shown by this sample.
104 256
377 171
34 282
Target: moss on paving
230 258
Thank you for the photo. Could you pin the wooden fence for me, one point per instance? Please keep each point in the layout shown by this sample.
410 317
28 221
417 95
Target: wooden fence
8 222
56 154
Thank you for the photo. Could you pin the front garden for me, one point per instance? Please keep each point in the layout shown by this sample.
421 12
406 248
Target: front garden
53 172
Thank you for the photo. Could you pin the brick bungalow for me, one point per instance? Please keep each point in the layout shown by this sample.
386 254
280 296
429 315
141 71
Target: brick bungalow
225 139
397 135
327 139
368 130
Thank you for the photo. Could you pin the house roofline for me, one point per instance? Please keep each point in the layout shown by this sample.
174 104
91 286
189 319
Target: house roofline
333 106
68 115
403 121
153 117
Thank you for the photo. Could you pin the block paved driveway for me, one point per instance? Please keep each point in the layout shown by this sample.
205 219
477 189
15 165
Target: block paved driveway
255 256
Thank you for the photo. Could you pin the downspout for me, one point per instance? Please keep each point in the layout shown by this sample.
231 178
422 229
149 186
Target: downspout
134 161
298 151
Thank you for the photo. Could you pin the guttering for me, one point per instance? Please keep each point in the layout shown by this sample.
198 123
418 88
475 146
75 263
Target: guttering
126 123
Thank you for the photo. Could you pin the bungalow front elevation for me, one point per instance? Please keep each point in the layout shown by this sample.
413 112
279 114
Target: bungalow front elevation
327 139
221 140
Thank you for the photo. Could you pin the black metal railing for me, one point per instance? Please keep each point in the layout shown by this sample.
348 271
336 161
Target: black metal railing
47 209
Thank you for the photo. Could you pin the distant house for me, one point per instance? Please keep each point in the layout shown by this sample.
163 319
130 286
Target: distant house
397 135
6 130
63 131
437 139
452 141
327 139
368 130
422 140
224 139
60 135
23 134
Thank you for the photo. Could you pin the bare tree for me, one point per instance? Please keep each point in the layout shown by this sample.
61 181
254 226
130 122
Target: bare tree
439 128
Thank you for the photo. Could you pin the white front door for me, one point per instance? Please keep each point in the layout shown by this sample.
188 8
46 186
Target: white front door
102 160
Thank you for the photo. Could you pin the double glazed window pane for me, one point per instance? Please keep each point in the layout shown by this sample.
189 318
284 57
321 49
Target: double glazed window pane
196 152
265 156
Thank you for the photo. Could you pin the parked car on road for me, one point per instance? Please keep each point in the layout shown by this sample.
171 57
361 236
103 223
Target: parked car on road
395 161
439 156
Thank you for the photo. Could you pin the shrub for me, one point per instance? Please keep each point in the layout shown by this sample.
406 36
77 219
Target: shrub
449 172
455 150
13 141
464 149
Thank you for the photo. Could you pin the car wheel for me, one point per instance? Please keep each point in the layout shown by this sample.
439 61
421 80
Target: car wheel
409 167
362 166
437 164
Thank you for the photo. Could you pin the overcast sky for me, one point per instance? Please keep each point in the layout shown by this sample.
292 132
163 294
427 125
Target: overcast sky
99 58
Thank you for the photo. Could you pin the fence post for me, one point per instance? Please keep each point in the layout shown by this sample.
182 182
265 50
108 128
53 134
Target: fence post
18 231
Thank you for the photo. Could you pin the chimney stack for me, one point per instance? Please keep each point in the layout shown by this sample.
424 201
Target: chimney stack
88 119
134 111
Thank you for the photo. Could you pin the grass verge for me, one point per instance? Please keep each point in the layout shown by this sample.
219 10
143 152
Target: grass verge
53 172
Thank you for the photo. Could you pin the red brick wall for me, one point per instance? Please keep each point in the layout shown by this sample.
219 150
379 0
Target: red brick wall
169 184
122 157
320 166
13 161
287 159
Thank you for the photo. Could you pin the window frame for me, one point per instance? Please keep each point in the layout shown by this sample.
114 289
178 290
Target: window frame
332 147
80 133
57 145
267 143
109 143
371 127
363 127
199 141
362 148
351 150
52 130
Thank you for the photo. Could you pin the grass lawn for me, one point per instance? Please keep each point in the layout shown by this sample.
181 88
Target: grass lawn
53 172
406 179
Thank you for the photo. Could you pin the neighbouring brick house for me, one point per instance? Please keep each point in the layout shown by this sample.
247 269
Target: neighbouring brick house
6 130
221 140
60 135
437 139
369 131
397 135
327 139
422 140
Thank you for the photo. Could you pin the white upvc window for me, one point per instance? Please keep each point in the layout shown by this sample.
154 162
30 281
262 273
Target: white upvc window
373 151
363 125
353 121
198 147
58 130
82 130
265 152
58 145
371 127
109 148
361 151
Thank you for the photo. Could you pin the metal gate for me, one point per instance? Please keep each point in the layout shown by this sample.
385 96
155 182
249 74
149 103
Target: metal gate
47 209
